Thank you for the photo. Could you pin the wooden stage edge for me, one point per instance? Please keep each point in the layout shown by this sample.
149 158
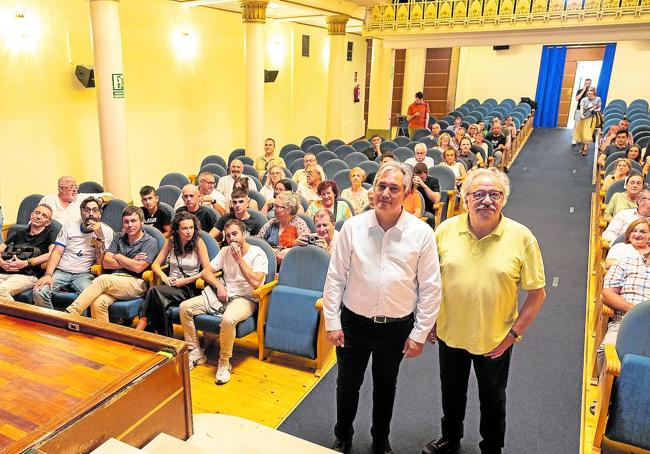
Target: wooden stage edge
98 380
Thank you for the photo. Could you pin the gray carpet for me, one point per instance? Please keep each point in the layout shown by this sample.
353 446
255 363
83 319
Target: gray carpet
544 389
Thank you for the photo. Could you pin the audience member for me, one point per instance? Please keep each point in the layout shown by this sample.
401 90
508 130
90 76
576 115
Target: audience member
498 141
274 174
479 140
282 231
153 215
443 143
208 195
413 202
227 183
465 154
329 194
417 114
624 124
375 150
455 140
472 131
244 268
636 244
386 157
609 138
239 201
456 125
624 218
128 256
429 187
449 160
621 171
207 217
308 189
281 186
309 160
325 235
187 255
435 131
619 145
264 163
65 204
509 128
78 246
420 153
242 183
25 251
357 195
481 128
625 200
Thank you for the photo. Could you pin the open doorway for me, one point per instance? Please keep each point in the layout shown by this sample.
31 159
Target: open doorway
584 70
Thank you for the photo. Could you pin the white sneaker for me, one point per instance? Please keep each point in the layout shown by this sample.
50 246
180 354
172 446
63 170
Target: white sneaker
223 372
573 142
196 358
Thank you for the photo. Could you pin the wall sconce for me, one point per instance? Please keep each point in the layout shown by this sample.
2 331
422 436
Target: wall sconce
185 44
275 53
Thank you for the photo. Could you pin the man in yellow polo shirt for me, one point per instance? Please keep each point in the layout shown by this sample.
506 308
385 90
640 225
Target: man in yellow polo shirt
484 259
263 163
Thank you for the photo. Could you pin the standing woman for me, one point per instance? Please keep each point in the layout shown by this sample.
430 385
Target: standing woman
187 255
588 108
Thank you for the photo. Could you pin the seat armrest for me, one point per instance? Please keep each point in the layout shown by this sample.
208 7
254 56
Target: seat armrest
611 368
200 283
264 289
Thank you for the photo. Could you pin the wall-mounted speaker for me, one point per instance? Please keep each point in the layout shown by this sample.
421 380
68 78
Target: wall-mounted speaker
85 75
500 47
270 76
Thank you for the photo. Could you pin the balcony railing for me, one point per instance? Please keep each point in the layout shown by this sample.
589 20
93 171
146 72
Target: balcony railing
455 13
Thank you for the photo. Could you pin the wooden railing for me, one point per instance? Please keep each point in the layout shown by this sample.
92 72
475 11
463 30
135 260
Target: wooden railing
456 13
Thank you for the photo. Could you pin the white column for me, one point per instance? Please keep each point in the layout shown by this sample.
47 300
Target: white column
254 17
336 31
381 86
109 80
414 67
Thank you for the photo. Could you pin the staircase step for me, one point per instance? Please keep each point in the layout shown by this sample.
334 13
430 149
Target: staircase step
166 444
113 446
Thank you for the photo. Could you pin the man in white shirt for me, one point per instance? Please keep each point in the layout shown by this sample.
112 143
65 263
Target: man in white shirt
244 268
381 298
309 187
624 218
226 183
78 246
65 204
421 156
209 196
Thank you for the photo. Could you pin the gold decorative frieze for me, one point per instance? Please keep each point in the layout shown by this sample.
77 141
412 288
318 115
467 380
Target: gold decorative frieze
254 10
336 24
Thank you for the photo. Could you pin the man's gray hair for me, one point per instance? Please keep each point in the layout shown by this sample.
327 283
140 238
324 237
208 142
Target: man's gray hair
492 172
420 145
394 166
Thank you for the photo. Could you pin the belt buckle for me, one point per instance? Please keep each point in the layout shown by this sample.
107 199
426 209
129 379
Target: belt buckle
379 319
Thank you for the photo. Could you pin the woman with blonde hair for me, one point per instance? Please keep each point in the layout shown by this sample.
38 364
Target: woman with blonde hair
357 195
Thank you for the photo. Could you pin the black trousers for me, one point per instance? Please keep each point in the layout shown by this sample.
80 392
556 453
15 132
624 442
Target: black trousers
158 300
492 377
385 342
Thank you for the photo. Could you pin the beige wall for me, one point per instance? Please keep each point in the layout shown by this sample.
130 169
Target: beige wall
178 110
630 74
485 73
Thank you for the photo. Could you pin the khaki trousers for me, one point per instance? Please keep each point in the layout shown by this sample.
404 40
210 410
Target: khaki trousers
237 310
104 291
13 284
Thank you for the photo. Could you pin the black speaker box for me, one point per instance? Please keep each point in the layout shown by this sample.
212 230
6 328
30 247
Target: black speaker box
270 76
85 75
500 47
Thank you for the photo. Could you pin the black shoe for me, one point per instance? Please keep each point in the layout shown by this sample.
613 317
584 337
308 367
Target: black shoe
441 446
382 448
505 169
342 445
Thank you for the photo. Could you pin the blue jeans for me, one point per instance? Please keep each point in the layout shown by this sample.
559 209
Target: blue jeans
76 281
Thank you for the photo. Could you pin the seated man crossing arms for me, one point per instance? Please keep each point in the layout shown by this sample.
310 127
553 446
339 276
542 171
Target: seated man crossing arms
78 246
244 268
128 256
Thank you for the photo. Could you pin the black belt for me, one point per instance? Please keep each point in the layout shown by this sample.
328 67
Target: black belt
381 319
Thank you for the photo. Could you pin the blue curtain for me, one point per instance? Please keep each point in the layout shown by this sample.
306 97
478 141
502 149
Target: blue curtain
549 86
606 73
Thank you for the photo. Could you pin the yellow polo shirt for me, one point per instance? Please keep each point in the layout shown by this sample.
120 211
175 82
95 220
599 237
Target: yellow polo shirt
262 164
480 279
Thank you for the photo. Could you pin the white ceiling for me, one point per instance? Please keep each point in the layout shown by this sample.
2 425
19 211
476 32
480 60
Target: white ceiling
289 11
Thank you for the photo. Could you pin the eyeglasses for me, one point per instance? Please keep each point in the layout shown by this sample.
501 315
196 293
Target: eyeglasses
280 206
70 187
208 182
90 210
480 195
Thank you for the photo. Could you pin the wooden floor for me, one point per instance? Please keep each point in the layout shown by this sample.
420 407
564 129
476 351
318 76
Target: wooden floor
261 391
45 372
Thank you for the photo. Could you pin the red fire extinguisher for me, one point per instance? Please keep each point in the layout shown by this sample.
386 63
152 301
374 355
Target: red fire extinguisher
357 93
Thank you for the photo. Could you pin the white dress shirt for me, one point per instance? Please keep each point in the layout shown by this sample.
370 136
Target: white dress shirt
71 213
225 187
619 223
427 160
393 273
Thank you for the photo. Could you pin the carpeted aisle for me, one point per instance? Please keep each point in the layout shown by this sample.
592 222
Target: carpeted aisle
548 179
